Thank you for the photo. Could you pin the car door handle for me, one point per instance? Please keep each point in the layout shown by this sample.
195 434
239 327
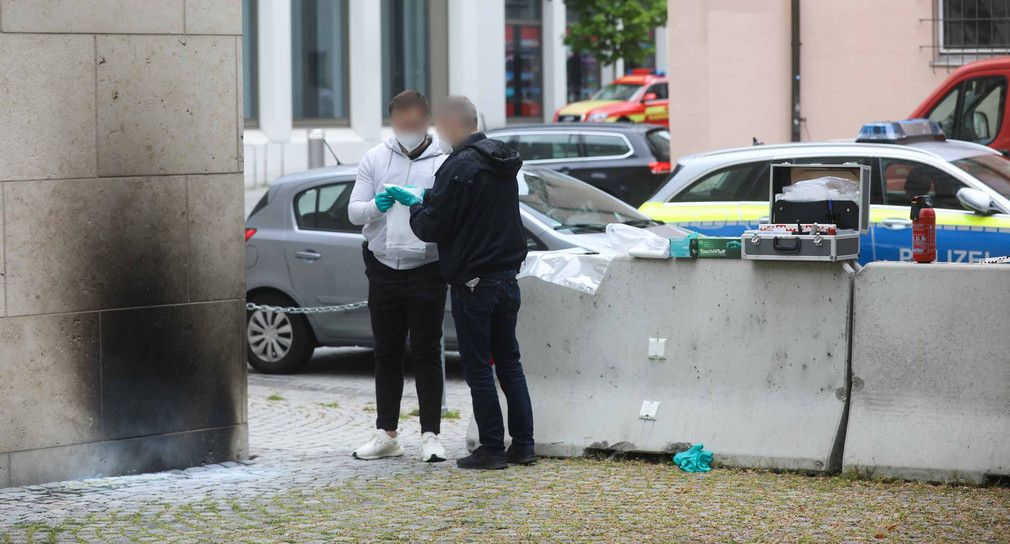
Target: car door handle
764 220
896 223
307 255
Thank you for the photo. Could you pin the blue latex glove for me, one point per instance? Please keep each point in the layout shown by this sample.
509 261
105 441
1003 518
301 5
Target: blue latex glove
384 202
403 196
695 459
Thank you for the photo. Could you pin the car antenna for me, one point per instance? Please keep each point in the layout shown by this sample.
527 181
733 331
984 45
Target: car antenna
327 144
756 141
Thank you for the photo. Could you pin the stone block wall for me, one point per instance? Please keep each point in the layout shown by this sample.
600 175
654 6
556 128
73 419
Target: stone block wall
121 309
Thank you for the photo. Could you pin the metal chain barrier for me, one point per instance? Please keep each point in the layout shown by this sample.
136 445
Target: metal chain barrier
315 310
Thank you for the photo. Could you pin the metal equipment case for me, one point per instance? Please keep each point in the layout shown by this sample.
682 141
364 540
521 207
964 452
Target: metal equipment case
849 217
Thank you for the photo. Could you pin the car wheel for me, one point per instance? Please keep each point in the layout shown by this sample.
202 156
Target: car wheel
624 120
277 342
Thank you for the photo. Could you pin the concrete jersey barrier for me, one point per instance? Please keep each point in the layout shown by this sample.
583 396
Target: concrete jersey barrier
754 368
931 372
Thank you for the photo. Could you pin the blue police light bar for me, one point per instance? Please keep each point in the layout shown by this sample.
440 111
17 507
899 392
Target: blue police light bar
901 132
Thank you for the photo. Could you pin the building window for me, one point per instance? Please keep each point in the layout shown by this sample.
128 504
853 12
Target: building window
975 25
319 61
405 48
523 59
249 61
583 69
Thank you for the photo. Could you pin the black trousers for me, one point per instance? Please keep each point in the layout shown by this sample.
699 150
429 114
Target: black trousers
401 302
485 319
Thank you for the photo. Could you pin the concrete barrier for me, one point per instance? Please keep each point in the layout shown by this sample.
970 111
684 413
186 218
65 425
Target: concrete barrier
931 372
754 368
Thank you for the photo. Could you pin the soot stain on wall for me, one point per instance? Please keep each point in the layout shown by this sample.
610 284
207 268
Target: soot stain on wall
171 369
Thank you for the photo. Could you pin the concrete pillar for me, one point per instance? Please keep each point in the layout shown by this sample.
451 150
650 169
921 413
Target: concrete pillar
365 43
275 89
555 72
477 55
121 315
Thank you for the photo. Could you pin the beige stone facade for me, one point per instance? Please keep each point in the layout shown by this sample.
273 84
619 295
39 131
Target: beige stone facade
121 319
731 68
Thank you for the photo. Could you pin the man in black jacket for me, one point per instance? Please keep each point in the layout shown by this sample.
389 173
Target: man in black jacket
472 213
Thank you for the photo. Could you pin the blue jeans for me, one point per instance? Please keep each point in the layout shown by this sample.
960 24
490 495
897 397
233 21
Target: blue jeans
486 326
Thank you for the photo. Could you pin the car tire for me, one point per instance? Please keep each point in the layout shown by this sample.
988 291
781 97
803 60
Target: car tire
624 120
276 342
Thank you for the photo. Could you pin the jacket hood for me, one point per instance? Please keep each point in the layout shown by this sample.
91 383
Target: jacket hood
495 154
431 151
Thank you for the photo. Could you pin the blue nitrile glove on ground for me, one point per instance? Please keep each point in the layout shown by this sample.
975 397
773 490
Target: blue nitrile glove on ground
384 202
403 196
695 459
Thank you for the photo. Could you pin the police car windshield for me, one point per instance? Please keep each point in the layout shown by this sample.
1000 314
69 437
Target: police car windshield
993 170
617 91
569 203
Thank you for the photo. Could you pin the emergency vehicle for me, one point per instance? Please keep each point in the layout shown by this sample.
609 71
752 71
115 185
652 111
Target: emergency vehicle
640 97
723 193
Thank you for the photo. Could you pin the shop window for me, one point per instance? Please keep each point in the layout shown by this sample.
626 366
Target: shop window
523 59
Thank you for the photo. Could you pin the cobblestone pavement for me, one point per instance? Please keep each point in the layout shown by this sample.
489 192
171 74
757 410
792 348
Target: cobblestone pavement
303 486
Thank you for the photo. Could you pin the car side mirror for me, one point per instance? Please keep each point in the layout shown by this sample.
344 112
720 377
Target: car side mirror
649 96
975 200
981 125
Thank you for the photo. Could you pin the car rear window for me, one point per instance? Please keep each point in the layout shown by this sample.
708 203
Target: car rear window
659 143
260 205
538 147
602 145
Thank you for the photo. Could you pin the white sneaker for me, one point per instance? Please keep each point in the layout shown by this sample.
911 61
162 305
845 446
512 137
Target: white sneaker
431 448
378 446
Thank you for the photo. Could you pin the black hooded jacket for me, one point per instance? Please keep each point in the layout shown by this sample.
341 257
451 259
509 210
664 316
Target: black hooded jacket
472 212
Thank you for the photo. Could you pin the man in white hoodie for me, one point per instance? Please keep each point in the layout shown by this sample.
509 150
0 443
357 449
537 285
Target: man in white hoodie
405 295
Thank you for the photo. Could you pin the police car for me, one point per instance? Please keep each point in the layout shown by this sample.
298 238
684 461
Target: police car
723 193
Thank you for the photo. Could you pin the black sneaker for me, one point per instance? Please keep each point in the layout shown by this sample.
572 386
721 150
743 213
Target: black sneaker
481 459
518 456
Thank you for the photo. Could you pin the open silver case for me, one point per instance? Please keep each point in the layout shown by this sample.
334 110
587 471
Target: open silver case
807 241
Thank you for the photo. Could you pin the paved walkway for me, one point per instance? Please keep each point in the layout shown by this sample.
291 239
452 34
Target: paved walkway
304 487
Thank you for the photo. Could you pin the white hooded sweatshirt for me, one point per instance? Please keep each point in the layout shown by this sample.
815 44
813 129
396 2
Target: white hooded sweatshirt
386 164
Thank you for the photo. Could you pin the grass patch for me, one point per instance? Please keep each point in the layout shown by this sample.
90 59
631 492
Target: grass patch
328 404
368 409
275 397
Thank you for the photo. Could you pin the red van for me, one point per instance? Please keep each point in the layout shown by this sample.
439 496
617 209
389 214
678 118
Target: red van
971 103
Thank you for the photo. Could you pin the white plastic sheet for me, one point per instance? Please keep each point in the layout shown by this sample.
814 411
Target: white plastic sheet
637 242
823 188
401 243
573 269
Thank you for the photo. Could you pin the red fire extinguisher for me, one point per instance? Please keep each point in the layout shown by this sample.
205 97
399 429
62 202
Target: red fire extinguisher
923 229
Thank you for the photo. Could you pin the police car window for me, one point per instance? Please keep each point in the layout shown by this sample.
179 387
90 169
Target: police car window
536 147
661 90
945 110
597 145
993 170
725 184
904 179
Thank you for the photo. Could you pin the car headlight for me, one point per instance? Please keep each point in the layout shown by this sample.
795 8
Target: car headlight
597 117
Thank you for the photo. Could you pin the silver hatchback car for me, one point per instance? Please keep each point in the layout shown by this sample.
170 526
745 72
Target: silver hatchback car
302 251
